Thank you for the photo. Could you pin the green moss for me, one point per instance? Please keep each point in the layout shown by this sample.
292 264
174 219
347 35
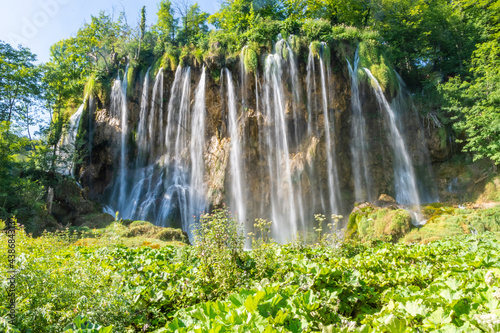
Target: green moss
443 136
326 54
315 48
452 223
131 73
250 60
172 234
294 42
372 57
372 223
90 87
491 190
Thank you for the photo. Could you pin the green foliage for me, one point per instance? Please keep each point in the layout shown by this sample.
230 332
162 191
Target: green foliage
372 57
219 246
19 81
194 27
450 284
250 60
317 29
82 325
315 48
475 103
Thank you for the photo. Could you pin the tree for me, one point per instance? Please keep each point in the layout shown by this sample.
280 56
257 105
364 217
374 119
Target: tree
19 81
195 26
142 28
166 26
475 100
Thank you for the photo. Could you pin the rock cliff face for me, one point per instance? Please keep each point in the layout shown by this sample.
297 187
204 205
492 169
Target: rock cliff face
293 144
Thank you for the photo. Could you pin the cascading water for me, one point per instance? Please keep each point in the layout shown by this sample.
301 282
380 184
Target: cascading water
235 158
142 127
404 175
167 179
359 144
197 204
119 110
279 150
425 178
332 173
283 207
66 147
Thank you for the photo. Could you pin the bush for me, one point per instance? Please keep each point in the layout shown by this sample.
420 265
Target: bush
219 245
317 29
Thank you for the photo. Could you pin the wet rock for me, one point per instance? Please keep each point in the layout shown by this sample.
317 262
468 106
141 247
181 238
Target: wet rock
385 200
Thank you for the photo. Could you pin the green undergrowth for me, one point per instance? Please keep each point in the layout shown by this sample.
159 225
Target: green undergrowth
449 285
452 222
127 233
368 222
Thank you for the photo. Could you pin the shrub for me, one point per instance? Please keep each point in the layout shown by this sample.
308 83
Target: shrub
219 244
317 29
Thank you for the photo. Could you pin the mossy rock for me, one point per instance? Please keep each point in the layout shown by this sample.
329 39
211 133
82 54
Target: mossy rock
359 212
141 228
368 222
434 210
315 48
138 223
456 222
491 190
94 221
172 234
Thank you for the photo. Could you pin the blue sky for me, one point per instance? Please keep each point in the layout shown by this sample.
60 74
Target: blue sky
38 24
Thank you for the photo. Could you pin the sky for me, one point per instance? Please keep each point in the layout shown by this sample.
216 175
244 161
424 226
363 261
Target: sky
37 24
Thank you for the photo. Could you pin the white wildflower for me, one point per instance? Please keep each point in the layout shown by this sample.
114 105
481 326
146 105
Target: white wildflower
389 319
489 278
489 320
496 294
350 325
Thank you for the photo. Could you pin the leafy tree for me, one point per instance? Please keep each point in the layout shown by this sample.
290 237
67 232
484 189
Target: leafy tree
19 81
142 28
194 26
475 101
166 26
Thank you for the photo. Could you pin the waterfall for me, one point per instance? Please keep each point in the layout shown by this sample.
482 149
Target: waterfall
67 144
311 88
142 128
92 109
283 207
282 152
119 111
177 118
404 175
238 197
425 179
362 179
155 122
175 202
197 192
332 175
